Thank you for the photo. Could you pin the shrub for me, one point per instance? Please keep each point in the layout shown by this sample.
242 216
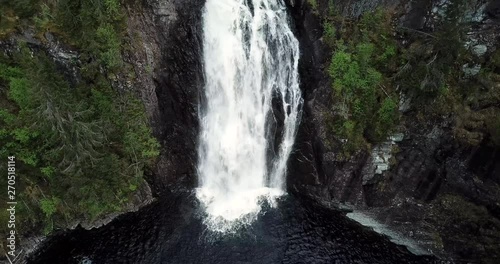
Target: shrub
329 33
313 4
386 118
49 206
358 72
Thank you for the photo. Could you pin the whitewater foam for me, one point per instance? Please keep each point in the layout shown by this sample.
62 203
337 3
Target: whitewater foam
250 56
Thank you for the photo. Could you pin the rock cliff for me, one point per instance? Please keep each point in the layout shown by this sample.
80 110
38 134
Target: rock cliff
423 182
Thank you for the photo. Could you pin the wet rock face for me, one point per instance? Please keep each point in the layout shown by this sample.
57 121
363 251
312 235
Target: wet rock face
177 79
304 163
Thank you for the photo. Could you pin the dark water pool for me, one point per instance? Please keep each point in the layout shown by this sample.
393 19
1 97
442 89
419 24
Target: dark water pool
172 231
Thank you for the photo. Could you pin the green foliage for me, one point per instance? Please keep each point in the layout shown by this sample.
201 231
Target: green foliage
137 139
365 111
25 8
332 12
18 90
434 60
6 117
87 145
48 172
109 46
95 27
329 34
14 12
387 117
364 53
44 20
113 8
49 206
313 4
368 64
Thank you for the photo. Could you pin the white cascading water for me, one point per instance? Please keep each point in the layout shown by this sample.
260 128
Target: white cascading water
250 55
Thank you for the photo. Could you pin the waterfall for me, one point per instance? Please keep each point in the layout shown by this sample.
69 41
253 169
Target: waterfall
250 64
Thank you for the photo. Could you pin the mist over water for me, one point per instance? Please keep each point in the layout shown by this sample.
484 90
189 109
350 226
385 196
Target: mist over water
250 64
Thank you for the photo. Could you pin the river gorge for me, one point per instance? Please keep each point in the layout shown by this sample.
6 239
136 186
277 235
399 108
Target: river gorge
300 131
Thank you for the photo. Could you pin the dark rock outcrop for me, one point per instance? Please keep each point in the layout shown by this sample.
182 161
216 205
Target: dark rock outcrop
178 79
305 164
166 49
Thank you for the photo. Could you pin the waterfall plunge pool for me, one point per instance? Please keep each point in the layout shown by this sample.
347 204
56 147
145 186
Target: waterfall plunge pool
172 230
